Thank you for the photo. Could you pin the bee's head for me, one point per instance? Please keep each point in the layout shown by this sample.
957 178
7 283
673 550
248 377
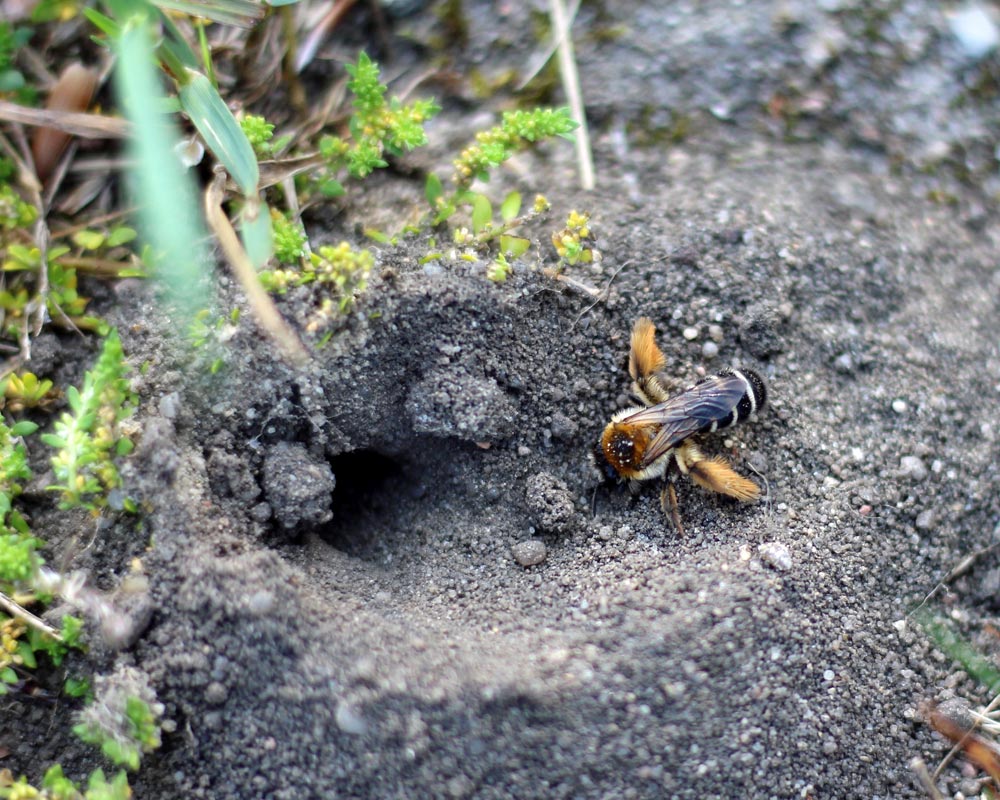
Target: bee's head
607 472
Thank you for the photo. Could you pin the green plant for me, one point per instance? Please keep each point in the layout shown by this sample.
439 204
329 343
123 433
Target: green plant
260 134
56 786
339 271
89 436
290 240
27 391
377 128
12 82
574 243
123 718
517 131
64 304
15 212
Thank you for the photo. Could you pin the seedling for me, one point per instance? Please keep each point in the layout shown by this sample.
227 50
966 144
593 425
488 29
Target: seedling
89 436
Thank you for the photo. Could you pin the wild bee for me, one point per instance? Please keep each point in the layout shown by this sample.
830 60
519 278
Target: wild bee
657 439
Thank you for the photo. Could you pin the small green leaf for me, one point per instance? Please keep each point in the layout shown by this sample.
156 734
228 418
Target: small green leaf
76 687
514 246
482 212
88 240
121 235
511 206
103 23
433 189
330 187
7 675
24 428
220 131
27 655
377 236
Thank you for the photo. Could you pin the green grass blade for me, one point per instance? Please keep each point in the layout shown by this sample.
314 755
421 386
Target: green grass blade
256 232
168 203
242 13
220 131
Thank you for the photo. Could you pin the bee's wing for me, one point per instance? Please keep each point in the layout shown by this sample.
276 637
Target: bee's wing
709 401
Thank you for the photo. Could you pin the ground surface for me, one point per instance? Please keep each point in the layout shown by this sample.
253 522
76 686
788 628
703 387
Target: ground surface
807 187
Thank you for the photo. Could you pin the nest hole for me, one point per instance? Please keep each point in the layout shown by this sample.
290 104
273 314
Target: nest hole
366 497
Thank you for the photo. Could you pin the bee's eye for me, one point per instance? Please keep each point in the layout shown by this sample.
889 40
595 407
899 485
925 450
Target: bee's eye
608 471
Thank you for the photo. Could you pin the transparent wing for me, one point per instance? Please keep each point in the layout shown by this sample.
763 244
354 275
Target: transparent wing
710 401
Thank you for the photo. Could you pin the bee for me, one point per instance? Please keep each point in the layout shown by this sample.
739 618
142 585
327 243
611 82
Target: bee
658 440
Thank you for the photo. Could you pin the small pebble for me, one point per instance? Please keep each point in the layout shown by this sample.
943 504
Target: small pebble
170 405
349 720
776 555
975 30
690 333
925 520
899 406
529 553
912 467
216 693
844 363
710 350
261 603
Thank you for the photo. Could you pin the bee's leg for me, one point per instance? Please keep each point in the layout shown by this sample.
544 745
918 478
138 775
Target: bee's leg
668 496
645 364
715 474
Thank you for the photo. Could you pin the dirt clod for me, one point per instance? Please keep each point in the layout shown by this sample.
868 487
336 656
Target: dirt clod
298 486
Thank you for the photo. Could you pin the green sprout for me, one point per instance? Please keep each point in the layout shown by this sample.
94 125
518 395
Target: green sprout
64 304
377 128
340 270
11 80
19 559
517 131
15 213
97 240
89 436
123 719
290 240
258 132
56 786
572 242
27 391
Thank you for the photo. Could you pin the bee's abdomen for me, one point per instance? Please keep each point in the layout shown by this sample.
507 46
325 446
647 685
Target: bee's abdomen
751 402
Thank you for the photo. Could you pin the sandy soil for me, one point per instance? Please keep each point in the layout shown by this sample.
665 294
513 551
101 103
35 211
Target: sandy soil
340 607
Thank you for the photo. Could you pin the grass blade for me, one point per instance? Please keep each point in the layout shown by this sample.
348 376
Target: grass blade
221 132
167 200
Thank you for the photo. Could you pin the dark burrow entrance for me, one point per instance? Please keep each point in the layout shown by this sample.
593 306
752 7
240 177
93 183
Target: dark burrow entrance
365 499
